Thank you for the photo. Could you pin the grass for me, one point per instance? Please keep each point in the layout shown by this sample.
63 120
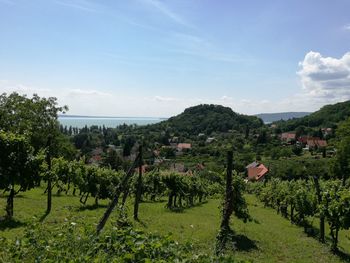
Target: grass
268 238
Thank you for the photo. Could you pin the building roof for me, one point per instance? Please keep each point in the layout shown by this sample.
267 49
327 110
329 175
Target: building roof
315 142
288 136
184 146
321 143
257 173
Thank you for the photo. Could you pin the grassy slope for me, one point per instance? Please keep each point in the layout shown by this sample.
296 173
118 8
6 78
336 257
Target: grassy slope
270 239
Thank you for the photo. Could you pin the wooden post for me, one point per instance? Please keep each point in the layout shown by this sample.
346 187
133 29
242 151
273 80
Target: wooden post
122 185
228 204
319 200
138 187
49 187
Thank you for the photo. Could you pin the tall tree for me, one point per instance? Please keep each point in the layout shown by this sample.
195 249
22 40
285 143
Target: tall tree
34 117
18 167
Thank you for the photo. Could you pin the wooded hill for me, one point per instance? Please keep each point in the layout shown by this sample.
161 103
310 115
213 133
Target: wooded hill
271 117
327 117
207 118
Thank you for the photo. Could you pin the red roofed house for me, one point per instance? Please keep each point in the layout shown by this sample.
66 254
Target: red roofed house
183 146
316 143
256 171
288 137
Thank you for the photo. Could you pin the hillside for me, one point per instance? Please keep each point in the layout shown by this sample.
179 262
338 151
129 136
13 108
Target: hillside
207 118
327 116
271 117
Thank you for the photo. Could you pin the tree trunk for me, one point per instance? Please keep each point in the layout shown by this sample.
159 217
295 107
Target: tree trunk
49 196
49 188
9 206
319 200
228 205
139 187
322 229
334 234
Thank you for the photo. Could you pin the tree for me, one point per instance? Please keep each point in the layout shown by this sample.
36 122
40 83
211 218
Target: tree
336 208
234 203
34 117
341 164
112 159
18 167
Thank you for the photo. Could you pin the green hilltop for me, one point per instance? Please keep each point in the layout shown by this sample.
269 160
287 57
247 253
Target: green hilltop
208 118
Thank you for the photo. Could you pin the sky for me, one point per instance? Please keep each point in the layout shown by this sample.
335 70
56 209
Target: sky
157 57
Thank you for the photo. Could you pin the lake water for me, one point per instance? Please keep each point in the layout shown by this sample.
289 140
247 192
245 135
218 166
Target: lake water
108 122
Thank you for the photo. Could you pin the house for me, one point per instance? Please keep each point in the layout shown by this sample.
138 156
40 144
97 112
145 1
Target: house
256 171
316 143
303 139
288 137
96 156
183 146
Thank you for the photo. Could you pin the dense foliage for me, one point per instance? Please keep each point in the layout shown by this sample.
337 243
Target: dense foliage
74 242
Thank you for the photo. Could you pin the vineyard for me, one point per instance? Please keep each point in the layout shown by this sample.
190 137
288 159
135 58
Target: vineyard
92 201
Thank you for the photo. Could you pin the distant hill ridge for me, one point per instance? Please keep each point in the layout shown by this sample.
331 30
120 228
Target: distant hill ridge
327 117
271 117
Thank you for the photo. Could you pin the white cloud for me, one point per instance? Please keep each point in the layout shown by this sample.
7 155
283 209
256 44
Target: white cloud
226 98
80 92
347 27
163 99
325 78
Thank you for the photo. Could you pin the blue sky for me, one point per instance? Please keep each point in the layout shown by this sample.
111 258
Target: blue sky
155 58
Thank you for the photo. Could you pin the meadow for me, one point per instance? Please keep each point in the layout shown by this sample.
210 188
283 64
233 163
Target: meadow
267 238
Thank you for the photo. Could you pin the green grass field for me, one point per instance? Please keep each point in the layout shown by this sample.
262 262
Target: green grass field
268 238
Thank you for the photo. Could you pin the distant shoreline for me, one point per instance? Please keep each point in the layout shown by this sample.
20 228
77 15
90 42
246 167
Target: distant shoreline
81 121
109 117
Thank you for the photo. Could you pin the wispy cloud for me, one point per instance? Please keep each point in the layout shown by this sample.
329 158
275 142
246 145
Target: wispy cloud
82 5
167 12
200 47
347 27
80 92
164 99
